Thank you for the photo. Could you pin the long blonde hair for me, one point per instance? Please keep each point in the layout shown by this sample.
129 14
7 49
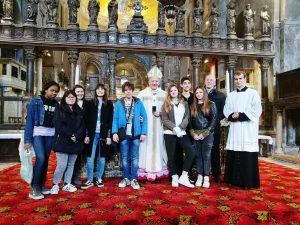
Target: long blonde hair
206 103
168 100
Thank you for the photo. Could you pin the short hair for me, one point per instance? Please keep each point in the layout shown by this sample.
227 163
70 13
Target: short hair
48 85
184 79
127 84
240 73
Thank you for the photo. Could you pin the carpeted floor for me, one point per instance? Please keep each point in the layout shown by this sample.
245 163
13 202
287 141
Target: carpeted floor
276 202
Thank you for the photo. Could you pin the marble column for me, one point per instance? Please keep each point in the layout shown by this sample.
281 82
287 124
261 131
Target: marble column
231 63
291 131
160 60
112 58
196 62
56 72
29 57
279 131
264 66
39 70
73 55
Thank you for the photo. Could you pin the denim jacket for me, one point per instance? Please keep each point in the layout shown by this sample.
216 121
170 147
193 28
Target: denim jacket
35 117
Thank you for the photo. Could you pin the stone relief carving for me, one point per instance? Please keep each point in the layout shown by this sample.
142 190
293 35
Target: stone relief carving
249 15
73 8
161 16
198 12
265 21
214 19
113 13
230 18
32 10
180 19
93 8
8 8
52 9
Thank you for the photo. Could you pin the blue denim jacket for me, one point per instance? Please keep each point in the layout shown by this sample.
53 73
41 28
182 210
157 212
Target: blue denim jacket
35 117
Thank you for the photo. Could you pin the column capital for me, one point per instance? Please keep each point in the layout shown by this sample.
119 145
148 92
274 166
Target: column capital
73 55
196 60
264 63
231 61
160 59
29 52
112 56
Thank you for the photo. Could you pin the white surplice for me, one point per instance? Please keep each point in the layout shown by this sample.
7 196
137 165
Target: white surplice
152 152
243 136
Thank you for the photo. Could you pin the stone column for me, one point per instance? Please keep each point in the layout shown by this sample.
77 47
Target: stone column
112 58
160 60
231 63
196 62
73 55
29 57
264 66
279 131
56 72
39 69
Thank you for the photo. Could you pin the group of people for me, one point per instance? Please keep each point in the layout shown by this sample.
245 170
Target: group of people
160 134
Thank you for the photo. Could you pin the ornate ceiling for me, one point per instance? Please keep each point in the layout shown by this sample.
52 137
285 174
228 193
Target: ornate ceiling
125 14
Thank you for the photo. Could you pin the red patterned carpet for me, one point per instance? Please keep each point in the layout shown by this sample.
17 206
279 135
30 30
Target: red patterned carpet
276 202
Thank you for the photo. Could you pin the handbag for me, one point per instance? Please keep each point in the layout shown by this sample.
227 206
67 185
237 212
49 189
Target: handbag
26 170
122 130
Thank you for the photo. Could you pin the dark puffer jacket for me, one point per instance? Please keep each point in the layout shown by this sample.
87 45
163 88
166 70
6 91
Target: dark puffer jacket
66 124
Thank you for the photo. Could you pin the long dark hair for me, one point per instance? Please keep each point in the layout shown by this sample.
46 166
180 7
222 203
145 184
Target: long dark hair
63 103
206 103
104 99
48 85
79 86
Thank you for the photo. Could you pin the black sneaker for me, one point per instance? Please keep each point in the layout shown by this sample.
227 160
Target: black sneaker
36 195
99 183
87 185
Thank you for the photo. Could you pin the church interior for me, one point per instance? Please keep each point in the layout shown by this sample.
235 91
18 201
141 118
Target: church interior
88 42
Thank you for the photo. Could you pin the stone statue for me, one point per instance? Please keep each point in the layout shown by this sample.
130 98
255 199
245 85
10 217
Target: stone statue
94 9
8 8
161 15
180 19
214 19
198 12
32 9
73 8
230 18
249 19
52 9
265 21
113 13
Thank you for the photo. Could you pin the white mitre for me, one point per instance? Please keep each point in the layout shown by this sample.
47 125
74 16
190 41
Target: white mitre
154 73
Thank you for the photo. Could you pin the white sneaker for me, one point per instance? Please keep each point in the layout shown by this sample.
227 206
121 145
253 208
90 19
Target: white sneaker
175 181
199 181
54 190
184 180
125 182
134 184
69 188
206 182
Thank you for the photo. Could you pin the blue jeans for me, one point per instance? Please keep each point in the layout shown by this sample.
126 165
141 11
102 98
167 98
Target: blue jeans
203 155
90 160
42 147
64 167
130 157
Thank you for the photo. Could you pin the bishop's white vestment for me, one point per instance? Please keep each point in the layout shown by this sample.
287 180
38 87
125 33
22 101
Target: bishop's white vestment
152 152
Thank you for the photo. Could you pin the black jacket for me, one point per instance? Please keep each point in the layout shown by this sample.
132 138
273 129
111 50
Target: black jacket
66 124
107 111
219 99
